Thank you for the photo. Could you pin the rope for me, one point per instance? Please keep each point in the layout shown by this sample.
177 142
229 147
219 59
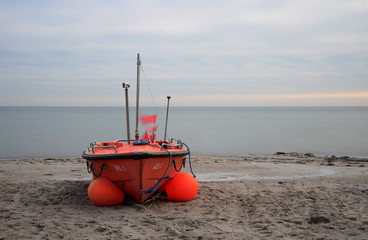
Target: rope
163 177
153 99
88 168
102 168
181 166
190 161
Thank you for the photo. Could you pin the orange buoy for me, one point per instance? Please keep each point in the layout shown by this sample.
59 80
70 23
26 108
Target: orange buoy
183 187
103 192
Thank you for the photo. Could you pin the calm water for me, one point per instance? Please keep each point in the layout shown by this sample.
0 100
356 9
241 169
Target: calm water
67 131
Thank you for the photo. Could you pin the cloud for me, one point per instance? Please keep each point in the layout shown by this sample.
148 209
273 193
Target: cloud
193 48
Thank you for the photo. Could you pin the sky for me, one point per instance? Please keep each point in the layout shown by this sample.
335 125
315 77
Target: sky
202 53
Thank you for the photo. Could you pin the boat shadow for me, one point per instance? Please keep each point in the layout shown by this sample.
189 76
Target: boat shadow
74 195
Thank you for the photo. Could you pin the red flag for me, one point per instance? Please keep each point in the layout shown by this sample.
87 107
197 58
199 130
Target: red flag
145 119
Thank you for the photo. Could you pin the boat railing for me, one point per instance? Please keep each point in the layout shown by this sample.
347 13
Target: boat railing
108 146
172 145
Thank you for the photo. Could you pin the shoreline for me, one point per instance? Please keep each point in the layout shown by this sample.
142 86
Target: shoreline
280 153
244 196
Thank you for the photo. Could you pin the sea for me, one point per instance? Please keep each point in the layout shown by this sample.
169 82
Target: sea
49 132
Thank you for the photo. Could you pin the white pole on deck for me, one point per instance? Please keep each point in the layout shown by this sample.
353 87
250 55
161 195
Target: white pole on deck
126 86
167 116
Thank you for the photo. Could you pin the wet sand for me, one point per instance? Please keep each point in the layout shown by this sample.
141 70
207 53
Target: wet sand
284 196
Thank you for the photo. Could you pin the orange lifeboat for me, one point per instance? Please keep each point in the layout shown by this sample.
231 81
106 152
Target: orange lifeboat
140 169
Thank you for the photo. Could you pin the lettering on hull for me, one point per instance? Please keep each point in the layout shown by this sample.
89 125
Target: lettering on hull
120 168
158 166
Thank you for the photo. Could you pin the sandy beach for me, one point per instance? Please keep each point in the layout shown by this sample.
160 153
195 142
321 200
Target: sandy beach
280 196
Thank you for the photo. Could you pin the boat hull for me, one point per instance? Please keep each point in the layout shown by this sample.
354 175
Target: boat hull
136 169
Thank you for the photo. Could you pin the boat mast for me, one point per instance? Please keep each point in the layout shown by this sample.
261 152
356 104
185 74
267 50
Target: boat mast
137 103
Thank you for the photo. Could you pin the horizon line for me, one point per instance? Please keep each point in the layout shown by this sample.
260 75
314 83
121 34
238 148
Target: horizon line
185 106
